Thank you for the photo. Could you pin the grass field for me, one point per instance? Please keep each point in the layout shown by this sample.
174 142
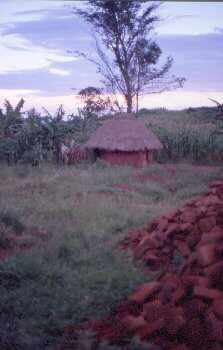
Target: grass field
76 272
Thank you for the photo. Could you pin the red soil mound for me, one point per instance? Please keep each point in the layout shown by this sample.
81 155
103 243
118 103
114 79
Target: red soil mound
183 308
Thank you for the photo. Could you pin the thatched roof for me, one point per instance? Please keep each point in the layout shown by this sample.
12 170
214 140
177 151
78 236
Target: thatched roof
126 134
118 115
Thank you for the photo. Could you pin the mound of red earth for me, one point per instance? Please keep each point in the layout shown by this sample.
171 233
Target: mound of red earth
183 308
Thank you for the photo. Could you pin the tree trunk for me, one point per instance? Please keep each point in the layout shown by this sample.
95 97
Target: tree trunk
137 102
57 153
129 103
8 159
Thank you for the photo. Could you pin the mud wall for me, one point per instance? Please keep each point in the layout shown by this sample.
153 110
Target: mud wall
136 159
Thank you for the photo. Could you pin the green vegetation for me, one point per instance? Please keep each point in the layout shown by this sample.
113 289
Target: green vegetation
74 271
77 272
192 134
9 219
32 138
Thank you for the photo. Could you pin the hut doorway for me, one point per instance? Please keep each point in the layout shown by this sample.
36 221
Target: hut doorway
149 157
97 153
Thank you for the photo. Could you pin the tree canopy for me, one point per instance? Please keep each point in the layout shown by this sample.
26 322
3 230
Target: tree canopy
128 56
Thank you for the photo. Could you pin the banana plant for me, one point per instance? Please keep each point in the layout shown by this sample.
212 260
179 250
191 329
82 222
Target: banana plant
11 120
58 130
11 123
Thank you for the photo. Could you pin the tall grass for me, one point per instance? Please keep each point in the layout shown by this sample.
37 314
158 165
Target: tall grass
189 134
190 143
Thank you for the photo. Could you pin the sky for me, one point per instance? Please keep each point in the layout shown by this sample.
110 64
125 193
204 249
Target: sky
36 38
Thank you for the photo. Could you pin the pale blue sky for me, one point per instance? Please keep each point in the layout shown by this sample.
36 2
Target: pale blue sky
35 36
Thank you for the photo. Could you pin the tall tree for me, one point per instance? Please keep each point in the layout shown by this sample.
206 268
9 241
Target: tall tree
123 29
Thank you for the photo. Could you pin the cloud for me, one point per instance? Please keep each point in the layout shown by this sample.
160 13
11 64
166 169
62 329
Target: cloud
60 30
29 10
35 37
180 99
34 98
52 84
218 30
14 95
191 18
18 92
57 71
173 100
65 11
202 68
19 54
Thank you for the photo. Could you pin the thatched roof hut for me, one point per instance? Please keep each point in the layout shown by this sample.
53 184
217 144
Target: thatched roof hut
124 140
124 135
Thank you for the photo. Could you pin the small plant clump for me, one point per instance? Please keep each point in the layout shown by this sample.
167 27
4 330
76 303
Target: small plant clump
10 219
5 232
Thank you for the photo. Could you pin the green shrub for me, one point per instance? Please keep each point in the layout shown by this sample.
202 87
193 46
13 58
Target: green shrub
4 236
10 219
8 150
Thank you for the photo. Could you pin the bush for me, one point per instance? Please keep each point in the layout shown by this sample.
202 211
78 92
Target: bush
8 150
10 219
4 236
